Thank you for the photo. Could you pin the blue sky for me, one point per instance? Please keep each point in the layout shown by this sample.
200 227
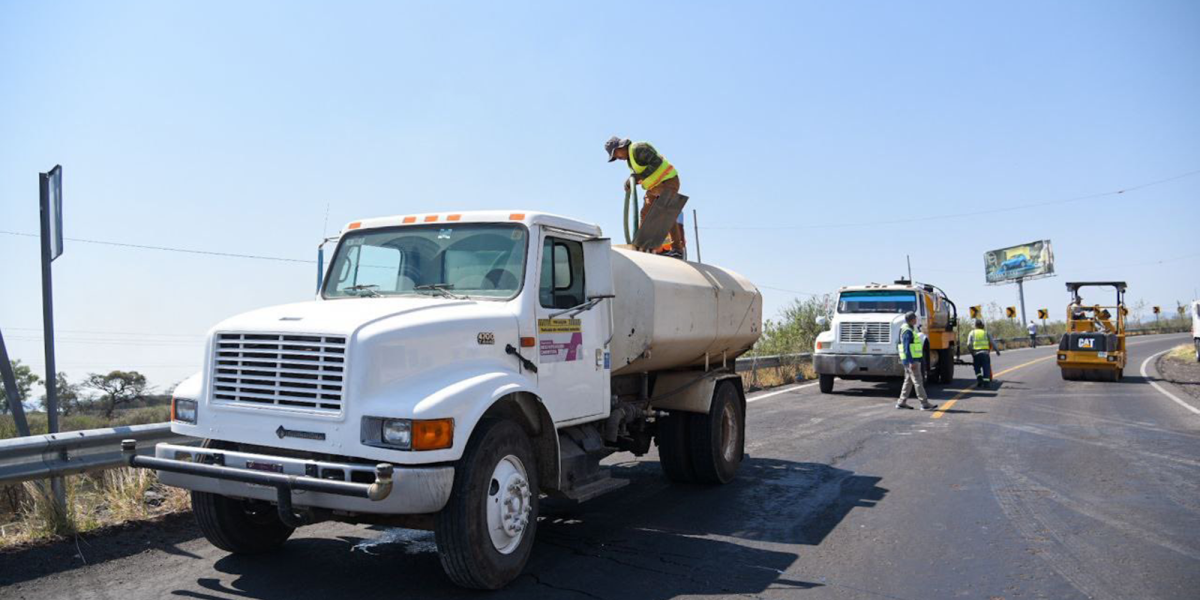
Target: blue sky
232 126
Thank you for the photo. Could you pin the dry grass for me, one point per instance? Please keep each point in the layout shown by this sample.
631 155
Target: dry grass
1183 353
93 502
773 377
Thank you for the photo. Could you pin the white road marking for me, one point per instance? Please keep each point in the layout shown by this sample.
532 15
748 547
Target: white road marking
792 388
1160 388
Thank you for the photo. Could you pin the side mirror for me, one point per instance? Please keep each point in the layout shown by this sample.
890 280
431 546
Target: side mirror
821 320
597 268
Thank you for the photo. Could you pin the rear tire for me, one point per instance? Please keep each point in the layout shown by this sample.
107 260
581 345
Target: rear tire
825 383
673 447
945 366
718 439
474 554
239 526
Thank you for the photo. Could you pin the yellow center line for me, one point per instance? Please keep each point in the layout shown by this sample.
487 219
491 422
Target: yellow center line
937 414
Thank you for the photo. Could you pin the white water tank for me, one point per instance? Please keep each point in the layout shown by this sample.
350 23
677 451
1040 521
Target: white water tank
670 313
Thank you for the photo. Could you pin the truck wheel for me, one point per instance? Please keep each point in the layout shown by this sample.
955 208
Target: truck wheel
825 383
239 526
945 366
673 448
925 365
718 439
485 532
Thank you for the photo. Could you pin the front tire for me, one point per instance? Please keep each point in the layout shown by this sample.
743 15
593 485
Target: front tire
485 532
239 526
825 383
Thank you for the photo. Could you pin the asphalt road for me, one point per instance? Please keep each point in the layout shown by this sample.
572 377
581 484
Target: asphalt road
1038 489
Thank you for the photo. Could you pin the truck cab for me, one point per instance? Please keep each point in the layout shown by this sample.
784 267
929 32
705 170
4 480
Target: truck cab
452 369
861 342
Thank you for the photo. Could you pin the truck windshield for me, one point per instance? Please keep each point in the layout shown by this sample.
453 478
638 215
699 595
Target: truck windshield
882 301
446 260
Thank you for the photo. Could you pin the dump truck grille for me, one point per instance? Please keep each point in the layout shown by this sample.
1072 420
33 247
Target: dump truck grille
280 370
865 332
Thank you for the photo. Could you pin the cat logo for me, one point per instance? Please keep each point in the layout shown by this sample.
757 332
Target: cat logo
1087 343
486 338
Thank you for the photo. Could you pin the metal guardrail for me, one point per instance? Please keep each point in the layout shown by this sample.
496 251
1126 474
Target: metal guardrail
751 363
71 452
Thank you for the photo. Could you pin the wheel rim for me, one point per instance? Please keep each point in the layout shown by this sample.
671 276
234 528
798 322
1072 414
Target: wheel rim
509 503
730 433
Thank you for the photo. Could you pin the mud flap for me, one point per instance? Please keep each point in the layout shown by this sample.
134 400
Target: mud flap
660 218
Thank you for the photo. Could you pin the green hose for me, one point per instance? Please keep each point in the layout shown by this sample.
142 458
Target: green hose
631 191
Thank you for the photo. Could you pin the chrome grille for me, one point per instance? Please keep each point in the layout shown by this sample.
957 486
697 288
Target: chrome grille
283 370
873 333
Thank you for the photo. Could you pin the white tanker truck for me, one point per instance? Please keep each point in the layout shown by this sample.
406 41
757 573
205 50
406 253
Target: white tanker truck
454 368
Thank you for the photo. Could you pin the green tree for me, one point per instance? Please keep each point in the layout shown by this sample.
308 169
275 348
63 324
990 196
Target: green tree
795 329
116 388
26 379
70 399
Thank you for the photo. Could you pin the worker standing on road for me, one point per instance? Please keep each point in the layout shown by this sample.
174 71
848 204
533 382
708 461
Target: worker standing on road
912 351
657 177
1032 334
981 343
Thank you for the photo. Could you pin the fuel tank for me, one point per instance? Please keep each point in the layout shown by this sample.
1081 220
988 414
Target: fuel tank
672 314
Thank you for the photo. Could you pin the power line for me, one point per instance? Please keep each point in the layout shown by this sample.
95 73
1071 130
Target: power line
169 249
958 215
94 332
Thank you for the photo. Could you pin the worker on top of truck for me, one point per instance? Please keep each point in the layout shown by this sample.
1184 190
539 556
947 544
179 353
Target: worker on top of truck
657 177
912 349
981 343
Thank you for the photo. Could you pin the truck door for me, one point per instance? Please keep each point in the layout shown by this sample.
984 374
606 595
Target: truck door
572 376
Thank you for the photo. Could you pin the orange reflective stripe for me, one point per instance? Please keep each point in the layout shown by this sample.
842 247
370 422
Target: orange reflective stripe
670 170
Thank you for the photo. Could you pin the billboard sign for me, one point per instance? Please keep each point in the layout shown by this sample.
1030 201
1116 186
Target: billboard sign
1026 261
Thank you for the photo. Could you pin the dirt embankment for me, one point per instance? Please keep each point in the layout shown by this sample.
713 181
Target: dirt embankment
1180 368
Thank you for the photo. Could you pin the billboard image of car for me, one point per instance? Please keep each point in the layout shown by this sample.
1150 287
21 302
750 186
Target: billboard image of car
1026 261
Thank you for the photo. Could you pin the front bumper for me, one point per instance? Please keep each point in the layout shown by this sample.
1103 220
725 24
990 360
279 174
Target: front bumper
849 366
314 484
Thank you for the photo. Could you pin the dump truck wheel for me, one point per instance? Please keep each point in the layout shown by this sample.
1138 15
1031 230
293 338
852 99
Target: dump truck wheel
485 532
825 383
718 439
672 442
239 526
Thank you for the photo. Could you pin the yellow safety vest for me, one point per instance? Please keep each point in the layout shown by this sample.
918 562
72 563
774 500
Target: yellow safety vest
980 342
664 171
917 347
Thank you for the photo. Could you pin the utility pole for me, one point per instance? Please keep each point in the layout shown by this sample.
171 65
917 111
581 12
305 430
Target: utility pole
908 260
696 228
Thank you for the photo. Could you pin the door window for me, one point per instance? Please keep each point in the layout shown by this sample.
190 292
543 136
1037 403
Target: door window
562 273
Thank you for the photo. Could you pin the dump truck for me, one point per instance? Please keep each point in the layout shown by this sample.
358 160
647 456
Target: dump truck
453 370
1093 347
861 342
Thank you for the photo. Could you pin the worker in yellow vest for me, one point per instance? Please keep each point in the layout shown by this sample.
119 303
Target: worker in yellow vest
912 360
657 177
981 344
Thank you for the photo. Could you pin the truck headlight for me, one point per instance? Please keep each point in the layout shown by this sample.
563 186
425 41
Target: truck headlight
408 434
397 432
183 410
